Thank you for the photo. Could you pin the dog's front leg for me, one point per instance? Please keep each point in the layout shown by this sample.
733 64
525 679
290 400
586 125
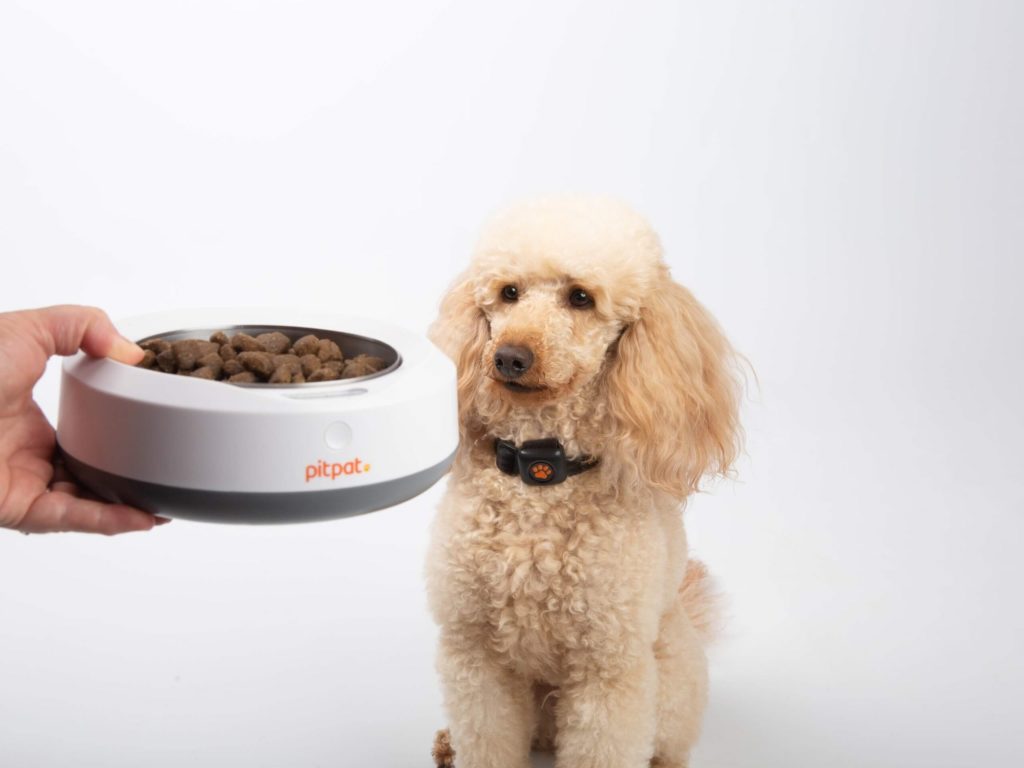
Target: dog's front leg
490 709
608 721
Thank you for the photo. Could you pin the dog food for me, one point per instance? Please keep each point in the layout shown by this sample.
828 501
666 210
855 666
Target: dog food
268 358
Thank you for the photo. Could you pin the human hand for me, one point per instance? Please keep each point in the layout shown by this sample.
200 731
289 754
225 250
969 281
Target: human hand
35 496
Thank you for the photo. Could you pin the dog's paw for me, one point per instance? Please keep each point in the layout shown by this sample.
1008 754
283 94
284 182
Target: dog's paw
442 752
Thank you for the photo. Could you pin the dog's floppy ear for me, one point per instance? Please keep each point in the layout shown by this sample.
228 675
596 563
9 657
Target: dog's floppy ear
673 392
461 332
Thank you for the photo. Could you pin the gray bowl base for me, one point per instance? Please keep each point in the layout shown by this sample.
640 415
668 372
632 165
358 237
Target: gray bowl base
253 508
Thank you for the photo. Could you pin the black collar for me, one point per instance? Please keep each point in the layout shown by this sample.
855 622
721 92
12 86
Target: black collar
539 462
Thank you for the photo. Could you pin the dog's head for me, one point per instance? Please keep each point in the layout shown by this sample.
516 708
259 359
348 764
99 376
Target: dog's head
568 312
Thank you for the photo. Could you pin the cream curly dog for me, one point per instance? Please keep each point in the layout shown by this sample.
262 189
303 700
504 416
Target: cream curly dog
570 616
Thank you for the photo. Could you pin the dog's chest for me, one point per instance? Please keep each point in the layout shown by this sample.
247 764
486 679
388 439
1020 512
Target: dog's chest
535 562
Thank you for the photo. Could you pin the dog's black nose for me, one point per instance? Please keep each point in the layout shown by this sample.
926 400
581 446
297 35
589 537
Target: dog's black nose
512 361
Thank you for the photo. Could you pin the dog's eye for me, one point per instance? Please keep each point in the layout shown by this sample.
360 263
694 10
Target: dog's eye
510 293
580 298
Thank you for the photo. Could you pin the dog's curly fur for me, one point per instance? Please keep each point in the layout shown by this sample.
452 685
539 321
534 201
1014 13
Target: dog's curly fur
570 615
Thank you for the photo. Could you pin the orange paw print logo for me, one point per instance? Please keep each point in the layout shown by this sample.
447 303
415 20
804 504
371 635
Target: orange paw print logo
541 471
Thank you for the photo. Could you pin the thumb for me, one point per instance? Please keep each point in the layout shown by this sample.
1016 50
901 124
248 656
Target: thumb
65 329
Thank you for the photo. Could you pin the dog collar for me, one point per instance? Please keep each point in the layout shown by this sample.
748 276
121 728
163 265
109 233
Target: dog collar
539 462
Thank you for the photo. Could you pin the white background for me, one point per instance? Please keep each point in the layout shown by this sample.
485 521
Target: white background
841 183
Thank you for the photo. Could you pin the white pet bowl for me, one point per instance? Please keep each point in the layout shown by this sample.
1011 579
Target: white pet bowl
261 453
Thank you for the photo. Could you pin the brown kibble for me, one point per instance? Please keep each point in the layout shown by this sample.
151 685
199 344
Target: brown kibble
246 359
328 350
275 342
166 361
290 360
206 348
307 345
243 342
260 363
211 360
289 372
374 363
361 365
309 364
323 374
157 345
282 375
186 352
205 372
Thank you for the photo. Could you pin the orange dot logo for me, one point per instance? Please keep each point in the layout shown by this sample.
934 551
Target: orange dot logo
541 471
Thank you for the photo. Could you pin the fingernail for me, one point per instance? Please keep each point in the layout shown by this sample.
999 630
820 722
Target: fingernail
126 351
161 520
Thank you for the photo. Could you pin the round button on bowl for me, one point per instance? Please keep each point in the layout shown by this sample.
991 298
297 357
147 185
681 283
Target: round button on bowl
338 435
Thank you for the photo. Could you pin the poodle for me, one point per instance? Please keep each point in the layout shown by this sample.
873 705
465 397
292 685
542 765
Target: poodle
594 395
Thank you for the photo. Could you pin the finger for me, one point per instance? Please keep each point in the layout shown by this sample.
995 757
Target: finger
63 486
60 470
58 511
84 493
65 329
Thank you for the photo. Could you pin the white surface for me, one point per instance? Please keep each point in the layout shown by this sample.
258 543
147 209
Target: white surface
841 183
